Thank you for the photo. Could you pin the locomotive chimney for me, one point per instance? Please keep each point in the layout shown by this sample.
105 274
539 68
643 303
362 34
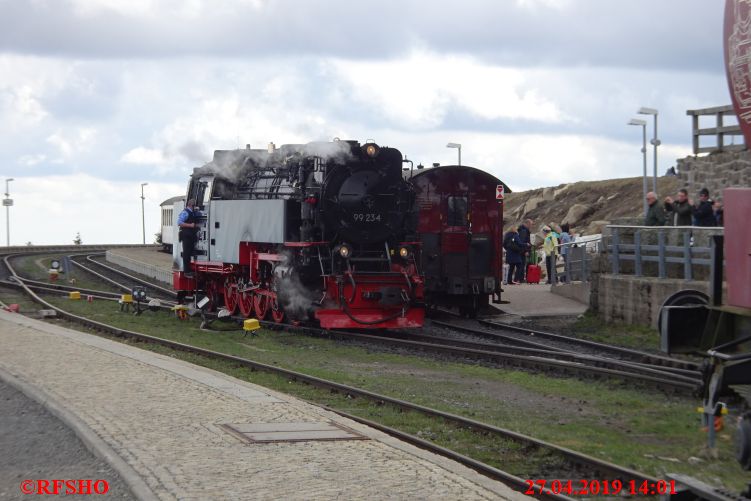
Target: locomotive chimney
272 147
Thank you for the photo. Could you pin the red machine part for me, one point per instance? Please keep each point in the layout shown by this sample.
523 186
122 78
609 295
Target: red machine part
373 301
357 306
737 204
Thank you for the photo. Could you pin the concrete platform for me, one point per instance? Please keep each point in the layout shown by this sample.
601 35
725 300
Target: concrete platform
173 430
148 261
537 300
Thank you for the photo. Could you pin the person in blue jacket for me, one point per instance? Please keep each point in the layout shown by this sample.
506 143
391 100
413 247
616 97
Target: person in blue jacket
514 254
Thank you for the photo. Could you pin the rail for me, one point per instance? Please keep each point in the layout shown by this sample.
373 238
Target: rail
721 131
677 251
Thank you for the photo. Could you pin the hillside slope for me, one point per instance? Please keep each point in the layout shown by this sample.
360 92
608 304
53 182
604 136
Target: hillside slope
587 205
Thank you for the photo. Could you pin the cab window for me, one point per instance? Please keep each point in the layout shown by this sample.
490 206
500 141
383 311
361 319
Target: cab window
457 211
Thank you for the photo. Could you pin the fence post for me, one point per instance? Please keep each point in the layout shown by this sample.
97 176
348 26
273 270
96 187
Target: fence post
717 253
585 268
637 253
614 256
687 266
661 253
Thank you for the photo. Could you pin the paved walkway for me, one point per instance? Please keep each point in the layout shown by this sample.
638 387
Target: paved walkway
148 255
158 421
148 261
35 446
536 300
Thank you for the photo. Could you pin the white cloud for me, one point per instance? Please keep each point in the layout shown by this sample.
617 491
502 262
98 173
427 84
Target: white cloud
73 142
51 209
420 90
31 160
144 156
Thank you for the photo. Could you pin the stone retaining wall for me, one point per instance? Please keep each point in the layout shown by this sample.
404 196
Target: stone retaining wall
635 300
715 172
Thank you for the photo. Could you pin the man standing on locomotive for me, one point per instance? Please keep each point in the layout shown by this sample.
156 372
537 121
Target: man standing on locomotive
187 221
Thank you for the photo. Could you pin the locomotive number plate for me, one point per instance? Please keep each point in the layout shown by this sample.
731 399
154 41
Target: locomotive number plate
367 217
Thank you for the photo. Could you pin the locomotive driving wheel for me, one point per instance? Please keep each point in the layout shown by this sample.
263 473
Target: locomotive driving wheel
261 306
245 303
231 296
277 312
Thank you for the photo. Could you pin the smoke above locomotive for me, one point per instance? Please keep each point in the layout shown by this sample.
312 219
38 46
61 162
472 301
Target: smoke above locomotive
325 227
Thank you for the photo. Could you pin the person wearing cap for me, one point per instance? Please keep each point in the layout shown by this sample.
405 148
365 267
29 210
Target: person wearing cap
549 245
704 210
655 214
187 221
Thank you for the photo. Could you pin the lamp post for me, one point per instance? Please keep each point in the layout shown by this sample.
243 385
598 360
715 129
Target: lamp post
143 214
458 147
7 202
654 142
643 125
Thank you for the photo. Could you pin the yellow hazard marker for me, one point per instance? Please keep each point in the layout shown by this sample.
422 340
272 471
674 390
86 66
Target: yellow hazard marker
250 325
125 301
74 295
181 311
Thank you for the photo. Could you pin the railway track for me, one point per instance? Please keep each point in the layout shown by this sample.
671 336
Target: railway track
578 343
578 461
512 352
106 272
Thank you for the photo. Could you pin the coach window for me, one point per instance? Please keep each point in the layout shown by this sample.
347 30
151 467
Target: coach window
457 211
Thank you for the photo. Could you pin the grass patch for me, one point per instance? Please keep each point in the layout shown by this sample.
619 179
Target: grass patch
630 427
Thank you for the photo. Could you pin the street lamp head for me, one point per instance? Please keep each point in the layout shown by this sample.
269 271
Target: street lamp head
453 145
636 121
9 180
647 111
144 184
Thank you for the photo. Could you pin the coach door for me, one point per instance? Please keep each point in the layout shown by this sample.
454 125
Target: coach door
455 239
480 255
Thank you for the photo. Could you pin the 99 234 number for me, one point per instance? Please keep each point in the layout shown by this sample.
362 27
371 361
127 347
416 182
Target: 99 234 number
367 217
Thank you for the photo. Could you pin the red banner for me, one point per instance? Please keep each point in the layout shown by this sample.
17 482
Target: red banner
737 37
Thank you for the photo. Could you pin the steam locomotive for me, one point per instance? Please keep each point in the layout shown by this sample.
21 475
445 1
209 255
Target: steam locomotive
320 231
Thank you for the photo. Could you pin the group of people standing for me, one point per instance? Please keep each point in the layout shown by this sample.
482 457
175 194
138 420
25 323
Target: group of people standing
681 212
520 252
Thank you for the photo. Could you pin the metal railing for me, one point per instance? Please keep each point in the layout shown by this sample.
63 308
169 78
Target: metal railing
632 249
720 130
576 260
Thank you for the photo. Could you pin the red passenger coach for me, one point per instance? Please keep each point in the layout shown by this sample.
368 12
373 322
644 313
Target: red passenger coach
460 223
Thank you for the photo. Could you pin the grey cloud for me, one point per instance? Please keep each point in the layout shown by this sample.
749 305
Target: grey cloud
678 34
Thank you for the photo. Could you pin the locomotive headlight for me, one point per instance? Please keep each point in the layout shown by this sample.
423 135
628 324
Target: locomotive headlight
345 251
404 252
371 150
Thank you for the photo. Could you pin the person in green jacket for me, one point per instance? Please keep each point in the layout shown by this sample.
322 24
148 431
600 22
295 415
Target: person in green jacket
550 246
655 213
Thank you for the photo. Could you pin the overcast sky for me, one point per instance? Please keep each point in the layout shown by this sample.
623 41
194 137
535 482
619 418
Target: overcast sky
97 96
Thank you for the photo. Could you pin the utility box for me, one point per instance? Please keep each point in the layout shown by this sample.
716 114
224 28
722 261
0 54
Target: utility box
737 205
